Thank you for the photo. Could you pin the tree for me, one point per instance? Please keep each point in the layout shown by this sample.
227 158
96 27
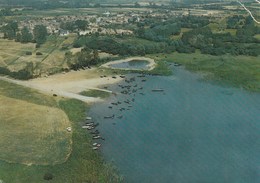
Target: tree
26 36
95 56
81 24
10 30
137 5
40 34
67 26
18 37
6 12
93 20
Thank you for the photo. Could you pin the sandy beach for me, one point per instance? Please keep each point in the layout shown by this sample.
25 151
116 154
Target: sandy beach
69 84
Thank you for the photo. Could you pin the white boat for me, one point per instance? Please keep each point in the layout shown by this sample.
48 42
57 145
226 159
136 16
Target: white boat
96 144
95 148
96 137
86 126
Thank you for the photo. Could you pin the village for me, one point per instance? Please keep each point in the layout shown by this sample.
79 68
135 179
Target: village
103 22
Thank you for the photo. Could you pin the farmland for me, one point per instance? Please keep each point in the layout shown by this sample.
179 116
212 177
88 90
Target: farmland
13 55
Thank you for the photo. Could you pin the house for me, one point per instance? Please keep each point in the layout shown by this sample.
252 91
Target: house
63 32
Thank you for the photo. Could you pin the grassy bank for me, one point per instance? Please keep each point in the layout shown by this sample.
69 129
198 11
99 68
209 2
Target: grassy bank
83 164
95 93
237 71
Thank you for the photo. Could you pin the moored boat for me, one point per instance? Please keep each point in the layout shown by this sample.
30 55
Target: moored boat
158 90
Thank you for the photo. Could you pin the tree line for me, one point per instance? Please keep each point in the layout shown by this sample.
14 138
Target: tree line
38 35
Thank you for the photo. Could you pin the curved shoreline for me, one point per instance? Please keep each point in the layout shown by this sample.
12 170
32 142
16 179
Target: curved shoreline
150 66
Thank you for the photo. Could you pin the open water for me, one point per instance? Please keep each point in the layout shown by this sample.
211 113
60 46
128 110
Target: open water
192 132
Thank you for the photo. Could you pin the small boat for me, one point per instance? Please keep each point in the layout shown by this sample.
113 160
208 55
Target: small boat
107 117
95 132
158 90
95 148
90 127
96 144
120 117
85 126
122 109
96 137
88 118
89 124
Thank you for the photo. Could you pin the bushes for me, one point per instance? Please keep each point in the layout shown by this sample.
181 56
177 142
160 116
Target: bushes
24 74
28 53
48 176
21 74
38 53
4 71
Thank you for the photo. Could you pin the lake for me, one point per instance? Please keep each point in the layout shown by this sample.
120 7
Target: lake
192 131
133 64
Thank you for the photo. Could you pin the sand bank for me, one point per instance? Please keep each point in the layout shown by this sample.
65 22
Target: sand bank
150 66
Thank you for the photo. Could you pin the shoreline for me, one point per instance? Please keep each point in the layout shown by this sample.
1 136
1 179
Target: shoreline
69 85
150 66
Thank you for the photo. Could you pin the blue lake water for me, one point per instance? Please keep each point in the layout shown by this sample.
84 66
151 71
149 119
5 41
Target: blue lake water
192 132
134 64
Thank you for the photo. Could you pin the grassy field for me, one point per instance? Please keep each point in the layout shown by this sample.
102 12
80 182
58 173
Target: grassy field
39 122
13 54
238 71
33 134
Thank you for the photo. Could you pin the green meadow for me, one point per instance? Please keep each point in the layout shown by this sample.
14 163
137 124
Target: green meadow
35 143
237 71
